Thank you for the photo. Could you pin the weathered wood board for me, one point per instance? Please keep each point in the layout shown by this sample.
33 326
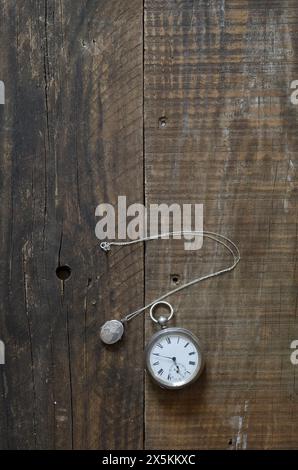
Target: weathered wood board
86 85
220 72
71 138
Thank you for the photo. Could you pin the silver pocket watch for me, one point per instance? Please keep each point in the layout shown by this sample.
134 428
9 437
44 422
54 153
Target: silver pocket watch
174 358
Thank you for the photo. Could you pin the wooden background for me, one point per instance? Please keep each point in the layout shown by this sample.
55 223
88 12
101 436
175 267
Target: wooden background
182 101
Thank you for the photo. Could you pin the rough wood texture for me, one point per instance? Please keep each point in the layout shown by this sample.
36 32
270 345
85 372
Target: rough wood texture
220 72
71 137
71 131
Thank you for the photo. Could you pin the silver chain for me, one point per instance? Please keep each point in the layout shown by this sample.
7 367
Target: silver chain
218 238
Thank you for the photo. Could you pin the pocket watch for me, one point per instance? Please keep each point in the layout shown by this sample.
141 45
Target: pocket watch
174 358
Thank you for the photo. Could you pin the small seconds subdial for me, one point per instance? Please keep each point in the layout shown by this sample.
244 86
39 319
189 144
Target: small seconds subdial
177 372
174 358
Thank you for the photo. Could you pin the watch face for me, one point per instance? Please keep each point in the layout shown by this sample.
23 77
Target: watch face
174 358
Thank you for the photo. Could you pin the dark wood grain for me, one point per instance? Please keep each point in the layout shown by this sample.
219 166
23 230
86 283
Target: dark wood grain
220 129
71 138
220 72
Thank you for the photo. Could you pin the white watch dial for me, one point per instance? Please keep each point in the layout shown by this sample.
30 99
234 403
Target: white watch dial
174 358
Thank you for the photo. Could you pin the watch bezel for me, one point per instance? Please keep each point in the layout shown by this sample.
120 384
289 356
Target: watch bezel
165 332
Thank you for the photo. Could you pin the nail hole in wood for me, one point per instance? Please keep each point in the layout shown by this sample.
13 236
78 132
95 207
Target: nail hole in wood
63 272
162 122
175 278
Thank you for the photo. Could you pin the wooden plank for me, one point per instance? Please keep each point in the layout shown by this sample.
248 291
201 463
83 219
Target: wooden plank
220 73
71 138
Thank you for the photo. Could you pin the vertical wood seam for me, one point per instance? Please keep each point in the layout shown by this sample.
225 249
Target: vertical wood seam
144 202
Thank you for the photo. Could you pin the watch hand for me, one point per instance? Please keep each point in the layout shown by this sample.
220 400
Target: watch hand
175 362
167 357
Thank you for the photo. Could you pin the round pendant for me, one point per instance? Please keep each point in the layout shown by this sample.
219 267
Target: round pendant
174 358
111 331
